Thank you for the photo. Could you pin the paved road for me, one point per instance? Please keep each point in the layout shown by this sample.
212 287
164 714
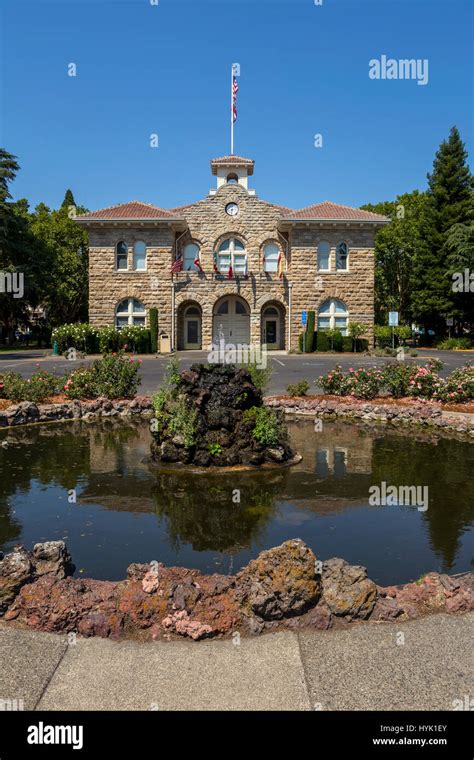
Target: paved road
363 668
287 368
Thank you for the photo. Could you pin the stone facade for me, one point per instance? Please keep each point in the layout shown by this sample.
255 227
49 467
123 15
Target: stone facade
206 223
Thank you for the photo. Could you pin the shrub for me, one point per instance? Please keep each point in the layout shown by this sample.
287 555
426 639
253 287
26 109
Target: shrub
298 389
347 344
113 376
80 384
356 330
363 383
40 386
260 375
182 420
333 382
214 449
267 424
135 338
153 318
322 342
458 387
454 344
81 336
396 378
383 335
423 382
310 331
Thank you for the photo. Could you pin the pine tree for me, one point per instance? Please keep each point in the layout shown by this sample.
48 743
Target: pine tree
449 202
68 200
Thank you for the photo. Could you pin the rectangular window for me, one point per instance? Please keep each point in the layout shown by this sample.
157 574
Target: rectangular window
224 262
239 263
122 322
122 261
323 323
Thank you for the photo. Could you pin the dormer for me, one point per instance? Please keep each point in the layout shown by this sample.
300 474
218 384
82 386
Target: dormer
232 170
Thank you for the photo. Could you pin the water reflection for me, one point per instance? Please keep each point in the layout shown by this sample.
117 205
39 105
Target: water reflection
128 510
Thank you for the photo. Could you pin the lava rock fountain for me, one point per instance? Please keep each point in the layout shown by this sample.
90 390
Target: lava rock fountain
213 415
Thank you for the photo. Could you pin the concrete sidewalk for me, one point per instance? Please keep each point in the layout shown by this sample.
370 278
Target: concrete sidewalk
418 665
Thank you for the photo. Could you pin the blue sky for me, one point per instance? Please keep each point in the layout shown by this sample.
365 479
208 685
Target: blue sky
165 69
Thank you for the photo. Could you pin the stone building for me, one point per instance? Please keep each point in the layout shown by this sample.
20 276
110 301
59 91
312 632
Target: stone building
248 268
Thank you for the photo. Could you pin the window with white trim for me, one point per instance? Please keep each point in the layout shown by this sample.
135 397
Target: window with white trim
190 255
341 256
333 315
271 253
130 311
231 253
324 253
121 255
139 256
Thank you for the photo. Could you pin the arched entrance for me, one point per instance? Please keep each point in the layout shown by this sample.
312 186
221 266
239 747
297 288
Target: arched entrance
189 326
231 320
273 326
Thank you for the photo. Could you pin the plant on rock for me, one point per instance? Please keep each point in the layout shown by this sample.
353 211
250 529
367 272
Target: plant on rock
298 389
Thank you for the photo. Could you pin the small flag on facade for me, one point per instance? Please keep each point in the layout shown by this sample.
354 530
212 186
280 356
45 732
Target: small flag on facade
246 268
216 268
230 273
197 264
280 266
177 265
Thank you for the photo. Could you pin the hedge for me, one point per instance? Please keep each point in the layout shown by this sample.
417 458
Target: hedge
93 340
153 319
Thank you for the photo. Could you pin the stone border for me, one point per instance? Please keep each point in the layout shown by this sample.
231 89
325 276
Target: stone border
29 413
282 588
422 415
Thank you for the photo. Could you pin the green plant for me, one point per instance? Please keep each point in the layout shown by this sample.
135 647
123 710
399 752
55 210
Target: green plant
454 344
333 382
113 376
153 320
458 386
363 383
40 386
182 420
335 339
322 341
267 425
260 375
214 449
396 378
298 389
309 332
356 330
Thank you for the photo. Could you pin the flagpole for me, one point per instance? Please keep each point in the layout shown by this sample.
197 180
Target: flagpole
232 109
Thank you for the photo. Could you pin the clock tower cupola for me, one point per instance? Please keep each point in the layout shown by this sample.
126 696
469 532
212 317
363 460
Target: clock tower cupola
232 170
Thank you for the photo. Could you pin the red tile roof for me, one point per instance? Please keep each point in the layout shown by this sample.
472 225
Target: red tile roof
328 211
131 210
232 160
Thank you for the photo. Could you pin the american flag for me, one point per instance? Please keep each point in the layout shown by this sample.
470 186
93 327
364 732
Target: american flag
177 265
235 89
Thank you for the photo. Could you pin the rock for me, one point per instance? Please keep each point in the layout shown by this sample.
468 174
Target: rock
385 608
276 454
16 569
346 589
179 622
52 558
281 582
151 581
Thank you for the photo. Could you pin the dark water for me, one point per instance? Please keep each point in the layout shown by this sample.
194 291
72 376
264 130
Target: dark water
128 511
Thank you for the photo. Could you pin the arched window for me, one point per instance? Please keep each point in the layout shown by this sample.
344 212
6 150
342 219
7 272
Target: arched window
190 255
324 251
139 256
232 179
341 255
232 254
130 311
121 255
333 315
271 253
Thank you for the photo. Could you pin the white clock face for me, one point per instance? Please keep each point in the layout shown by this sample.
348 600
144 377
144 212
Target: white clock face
232 209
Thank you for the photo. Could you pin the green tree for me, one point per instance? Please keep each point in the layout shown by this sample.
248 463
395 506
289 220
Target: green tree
65 294
396 245
449 203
